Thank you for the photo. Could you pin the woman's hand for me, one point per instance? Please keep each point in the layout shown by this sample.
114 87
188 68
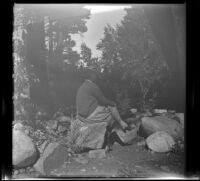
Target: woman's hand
112 103
123 124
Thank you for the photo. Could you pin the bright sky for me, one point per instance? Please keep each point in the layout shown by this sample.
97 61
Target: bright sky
103 8
100 16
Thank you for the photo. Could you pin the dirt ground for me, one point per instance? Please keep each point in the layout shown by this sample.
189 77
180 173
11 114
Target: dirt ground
134 161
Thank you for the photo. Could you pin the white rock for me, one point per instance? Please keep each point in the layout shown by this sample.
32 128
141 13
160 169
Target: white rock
160 142
81 160
128 135
49 149
133 110
65 119
100 153
24 150
171 111
160 110
165 168
160 123
181 118
62 128
52 124
18 126
32 169
42 147
16 172
83 170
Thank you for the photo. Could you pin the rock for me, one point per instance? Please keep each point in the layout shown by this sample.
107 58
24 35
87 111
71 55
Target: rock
26 132
94 168
24 151
148 113
141 143
160 111
97 153
160 123
83 170
133 111
168 115
165 168
52 124
81 160
43 146
127 136
18 126
171 111
32 169
16 172
62 128
160 142
39 167
64 119
181 118
22 170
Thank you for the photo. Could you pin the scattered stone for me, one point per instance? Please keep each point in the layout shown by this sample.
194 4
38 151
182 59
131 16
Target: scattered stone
64 165
141 143
127 136
181 118
18 126
81 160
26 132
64 119
97 153
152 152
160 110
83 170
181 146
171 111
160 123
62 128
165 168
39 164
133 111
147 114
168 115
137 166
160 142
32 169
28 168
43 146
16 172
24 151
52 124
22 170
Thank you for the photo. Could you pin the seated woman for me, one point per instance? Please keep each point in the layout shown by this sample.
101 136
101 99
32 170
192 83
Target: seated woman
96 116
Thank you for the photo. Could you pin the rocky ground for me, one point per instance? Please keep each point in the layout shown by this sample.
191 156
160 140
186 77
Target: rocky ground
128 161
57 159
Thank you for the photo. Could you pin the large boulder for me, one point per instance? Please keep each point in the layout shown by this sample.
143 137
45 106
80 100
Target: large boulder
160 123
100 153
24 151
181 118
160 142
127 136
39 166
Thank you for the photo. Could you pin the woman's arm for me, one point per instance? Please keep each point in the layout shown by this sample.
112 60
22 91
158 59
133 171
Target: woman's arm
101 98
